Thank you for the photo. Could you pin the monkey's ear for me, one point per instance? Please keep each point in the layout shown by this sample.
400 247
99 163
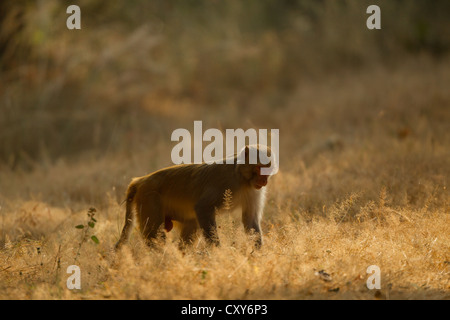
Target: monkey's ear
247 154
243 157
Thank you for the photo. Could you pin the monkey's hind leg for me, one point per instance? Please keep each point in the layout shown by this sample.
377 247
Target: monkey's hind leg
151 218
207 222
188 230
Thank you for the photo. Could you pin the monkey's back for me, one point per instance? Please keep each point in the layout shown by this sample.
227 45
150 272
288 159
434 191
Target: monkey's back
177 185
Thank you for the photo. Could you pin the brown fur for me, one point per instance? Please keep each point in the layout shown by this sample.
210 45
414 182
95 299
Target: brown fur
190 194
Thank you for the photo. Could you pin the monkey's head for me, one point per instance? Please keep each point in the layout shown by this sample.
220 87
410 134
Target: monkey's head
256 165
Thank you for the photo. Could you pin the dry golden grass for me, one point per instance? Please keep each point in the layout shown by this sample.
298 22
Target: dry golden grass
411 248
364 150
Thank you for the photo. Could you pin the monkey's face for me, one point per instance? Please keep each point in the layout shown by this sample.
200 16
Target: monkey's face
258 180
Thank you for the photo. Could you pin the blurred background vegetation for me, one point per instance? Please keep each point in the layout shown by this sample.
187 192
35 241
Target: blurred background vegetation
364 120
137 70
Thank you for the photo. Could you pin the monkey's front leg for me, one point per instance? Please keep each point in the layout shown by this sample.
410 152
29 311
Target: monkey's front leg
206 217
251 220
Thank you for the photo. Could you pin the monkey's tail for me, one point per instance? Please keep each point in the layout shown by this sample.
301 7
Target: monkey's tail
131 192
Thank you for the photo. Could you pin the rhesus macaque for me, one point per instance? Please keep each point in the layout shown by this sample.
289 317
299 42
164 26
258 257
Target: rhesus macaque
190 194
